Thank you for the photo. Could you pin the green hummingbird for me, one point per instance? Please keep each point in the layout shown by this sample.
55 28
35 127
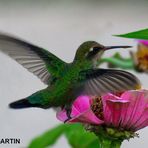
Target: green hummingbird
66 81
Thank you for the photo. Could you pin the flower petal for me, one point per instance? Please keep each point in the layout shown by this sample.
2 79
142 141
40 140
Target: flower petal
112 105
144 42
82 103
62 116
138 102
81 112
129 111
114 109
142 121
86 117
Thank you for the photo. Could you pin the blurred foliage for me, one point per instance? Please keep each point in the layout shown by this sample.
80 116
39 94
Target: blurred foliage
141 34
75 134
48 138
117 61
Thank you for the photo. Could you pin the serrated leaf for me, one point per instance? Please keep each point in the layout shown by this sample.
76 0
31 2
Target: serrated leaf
48 138
141 34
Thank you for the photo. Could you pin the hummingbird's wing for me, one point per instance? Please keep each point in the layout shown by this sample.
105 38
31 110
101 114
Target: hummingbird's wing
100 81
39 61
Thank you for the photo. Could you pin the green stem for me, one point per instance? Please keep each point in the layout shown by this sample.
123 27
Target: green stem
116 144
106 142
124 64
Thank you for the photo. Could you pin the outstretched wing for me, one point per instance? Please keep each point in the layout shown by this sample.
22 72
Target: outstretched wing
40 62
100 81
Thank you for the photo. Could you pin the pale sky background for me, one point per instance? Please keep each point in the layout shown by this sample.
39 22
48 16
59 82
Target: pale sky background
59 26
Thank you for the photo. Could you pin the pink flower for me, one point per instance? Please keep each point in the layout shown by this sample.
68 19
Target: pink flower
81 112
128 111
140 57
144 42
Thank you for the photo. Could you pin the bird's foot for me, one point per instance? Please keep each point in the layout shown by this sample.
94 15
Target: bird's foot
67 119
68 113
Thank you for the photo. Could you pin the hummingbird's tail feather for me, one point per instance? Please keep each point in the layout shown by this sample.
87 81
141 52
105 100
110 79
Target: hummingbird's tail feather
23 103
40 99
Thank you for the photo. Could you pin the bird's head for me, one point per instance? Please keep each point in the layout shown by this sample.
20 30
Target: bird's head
92 50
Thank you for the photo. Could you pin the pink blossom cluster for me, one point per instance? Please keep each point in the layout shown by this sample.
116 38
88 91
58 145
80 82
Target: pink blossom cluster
128 111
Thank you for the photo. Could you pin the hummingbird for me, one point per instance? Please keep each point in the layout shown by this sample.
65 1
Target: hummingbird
66 81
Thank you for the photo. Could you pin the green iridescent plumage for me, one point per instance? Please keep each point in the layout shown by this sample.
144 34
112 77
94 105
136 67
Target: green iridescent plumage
66 81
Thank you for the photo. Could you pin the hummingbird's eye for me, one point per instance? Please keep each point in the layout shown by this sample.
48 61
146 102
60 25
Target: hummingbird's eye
92 52
95 49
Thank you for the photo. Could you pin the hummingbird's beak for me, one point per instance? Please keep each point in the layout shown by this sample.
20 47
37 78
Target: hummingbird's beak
113 47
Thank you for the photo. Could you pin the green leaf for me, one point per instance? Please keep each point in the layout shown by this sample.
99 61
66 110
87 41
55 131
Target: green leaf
48 138
79 138
76 136
141 34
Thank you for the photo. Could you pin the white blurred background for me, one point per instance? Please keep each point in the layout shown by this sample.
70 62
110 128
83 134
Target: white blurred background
59 26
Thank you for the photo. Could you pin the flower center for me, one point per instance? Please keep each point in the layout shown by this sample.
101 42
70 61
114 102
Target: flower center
142 57
97 107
